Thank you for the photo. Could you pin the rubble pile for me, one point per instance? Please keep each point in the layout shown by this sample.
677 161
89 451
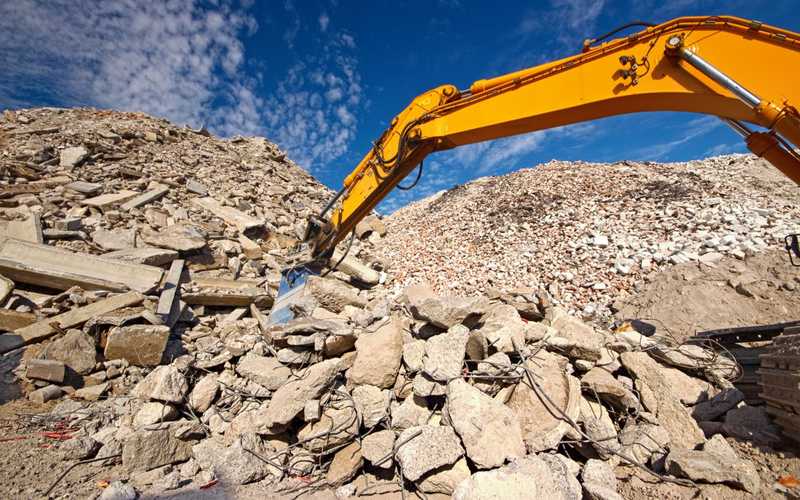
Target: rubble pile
139 262
588 232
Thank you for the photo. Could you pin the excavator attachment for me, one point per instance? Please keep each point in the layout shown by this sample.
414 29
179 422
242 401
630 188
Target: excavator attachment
291 291
793 247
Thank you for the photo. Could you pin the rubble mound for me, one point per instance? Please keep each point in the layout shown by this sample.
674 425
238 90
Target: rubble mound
588 232
138 263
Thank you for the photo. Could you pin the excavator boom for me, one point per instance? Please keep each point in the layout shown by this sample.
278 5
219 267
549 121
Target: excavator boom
738 70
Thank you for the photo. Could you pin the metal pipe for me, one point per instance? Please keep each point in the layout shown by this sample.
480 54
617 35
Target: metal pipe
738 127
718 76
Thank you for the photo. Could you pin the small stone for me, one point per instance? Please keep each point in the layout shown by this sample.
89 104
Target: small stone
312 411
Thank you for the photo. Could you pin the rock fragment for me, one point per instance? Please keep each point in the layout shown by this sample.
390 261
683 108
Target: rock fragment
425 448
139 345
378 356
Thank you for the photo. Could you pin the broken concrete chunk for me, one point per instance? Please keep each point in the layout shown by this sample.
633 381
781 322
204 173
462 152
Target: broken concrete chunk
147 255
444 353
542 426
718 405
445 479
195 187
661 400
425 448
107 201
143 199
45 394
265 371
29 229
165 383
372 404
717 462
337 426
413 355
139 345
180 237
378 356
75 349
250 248
378 448
45 369
154 412
333 294
345 465
503 328
600 428
145 450
241 221
529 477
445 312
355 268
114 239
91 393
411 412
43 265
599 481
582 341
290 398
610 390
204 392
490 431
643 441
73 156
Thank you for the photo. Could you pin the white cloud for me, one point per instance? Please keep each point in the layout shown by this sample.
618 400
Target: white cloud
168 58
324 20
184 61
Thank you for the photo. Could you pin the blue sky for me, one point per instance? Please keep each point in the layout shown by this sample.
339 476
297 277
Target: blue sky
323 78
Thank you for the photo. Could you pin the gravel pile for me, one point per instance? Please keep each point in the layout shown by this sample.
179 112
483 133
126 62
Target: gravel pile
588 232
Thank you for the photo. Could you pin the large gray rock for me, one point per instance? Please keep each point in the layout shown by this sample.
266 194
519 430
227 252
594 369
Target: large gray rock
718 405
140 345
529 477
75 349
411 412
265 371
179 237
444 353
378 356
333 294
503 328
372 404
234 464
717 462
610 390
290 399
425 448
445 479
165 383
542 426
377 448
145 450
599 481
658 397
445 312
204 392
490 431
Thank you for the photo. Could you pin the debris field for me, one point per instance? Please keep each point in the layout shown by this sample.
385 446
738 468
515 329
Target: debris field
139 262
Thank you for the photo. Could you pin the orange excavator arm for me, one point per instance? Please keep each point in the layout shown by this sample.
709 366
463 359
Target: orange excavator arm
739 70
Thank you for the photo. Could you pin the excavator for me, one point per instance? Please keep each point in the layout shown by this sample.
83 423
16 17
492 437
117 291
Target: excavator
736 69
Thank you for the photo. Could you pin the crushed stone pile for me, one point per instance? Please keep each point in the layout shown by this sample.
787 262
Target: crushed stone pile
138 263
588 232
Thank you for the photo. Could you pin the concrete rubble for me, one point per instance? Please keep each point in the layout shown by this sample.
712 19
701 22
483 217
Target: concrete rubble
374 386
